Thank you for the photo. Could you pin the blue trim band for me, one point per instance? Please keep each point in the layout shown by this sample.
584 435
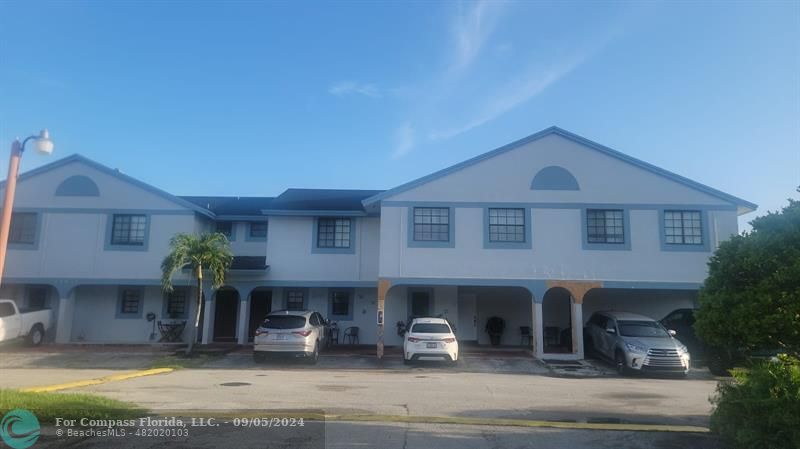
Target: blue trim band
556 205
315 213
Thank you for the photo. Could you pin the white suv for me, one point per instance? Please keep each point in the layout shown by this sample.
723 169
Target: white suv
430 338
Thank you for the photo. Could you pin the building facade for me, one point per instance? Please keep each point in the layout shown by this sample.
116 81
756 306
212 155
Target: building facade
540 232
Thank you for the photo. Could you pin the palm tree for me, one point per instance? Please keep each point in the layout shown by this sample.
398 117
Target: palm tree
198 252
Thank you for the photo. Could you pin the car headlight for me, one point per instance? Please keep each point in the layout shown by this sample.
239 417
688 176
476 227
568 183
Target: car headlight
636 347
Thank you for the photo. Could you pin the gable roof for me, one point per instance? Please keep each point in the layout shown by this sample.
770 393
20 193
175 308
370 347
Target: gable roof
746 205
115 173
320 202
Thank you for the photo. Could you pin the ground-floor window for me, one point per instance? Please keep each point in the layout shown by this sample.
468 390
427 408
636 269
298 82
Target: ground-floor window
295 300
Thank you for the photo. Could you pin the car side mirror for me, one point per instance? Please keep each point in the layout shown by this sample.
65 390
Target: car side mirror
672 333
611 330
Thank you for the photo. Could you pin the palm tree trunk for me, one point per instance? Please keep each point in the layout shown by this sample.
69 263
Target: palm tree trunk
197 309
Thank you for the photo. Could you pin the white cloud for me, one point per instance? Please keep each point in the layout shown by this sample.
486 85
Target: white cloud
404 140
471 29
352 87
516 93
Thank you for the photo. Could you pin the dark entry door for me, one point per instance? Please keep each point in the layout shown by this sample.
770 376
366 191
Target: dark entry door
227 305
260 306
420 304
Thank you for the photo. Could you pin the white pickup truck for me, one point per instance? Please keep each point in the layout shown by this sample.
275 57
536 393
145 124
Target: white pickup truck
15 323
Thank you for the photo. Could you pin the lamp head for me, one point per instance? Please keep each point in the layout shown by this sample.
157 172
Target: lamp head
43 143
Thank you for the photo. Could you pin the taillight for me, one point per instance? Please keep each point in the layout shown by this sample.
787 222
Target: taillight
303 333
261 331
449 340
414 339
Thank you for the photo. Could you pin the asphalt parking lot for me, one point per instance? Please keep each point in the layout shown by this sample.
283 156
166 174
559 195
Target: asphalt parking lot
480 389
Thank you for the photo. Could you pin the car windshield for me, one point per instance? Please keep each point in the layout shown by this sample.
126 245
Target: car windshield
641 329
284 322
430 328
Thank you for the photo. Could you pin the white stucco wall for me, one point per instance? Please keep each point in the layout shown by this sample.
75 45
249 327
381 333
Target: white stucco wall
290 256
95 319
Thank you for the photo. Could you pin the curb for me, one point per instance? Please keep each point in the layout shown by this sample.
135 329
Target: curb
97 381
497 422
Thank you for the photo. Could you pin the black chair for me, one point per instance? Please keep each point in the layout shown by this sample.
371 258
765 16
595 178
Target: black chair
551 336
526 339
352 334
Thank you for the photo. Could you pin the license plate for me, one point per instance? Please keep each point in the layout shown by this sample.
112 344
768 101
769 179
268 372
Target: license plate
431 345
281 337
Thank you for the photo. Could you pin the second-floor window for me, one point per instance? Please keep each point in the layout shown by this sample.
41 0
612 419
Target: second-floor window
128 229
225 228
605 226
258 229
23 228
683 227
506 225
333 232
431 224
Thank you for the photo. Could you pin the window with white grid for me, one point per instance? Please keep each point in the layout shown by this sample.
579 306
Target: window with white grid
128 229
333 233
683 227
506 225
605 226
431 224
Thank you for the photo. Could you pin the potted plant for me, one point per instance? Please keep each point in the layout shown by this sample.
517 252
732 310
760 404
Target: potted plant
495 327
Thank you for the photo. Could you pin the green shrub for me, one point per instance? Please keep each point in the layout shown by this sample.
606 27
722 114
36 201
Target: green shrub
760 408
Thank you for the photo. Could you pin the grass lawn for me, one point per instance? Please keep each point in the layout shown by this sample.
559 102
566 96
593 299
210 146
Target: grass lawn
48 406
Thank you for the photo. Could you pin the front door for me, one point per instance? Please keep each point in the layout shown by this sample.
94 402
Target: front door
467 317
420 304
260 306
225 310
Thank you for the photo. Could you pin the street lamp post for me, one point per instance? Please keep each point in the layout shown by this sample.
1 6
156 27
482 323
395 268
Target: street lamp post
43 145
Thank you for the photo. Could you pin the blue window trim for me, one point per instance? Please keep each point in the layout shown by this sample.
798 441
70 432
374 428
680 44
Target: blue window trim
232 237
315 239
119 313
351 296
110 228
662 232
626 223
37 232
286 296
165 303
250 238
450 243
431 298
527 244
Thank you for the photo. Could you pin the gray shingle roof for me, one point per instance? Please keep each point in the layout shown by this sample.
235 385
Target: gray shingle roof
321 199
232 205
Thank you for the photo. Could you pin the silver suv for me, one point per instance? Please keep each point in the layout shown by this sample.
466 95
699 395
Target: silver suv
297 333
635 343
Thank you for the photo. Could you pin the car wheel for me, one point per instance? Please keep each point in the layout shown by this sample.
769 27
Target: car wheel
315 355
619 362
36 335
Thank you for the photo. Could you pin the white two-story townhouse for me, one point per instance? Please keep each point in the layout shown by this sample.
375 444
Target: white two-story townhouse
540 232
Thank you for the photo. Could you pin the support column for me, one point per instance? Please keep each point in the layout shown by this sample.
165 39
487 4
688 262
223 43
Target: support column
244 302
383 288
66 308
538 329
208 315
577 327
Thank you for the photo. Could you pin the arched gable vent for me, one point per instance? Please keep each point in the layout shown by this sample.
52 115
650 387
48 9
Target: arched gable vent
554 178
77 185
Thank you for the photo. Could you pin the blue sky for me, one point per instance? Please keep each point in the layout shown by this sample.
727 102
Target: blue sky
248 98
